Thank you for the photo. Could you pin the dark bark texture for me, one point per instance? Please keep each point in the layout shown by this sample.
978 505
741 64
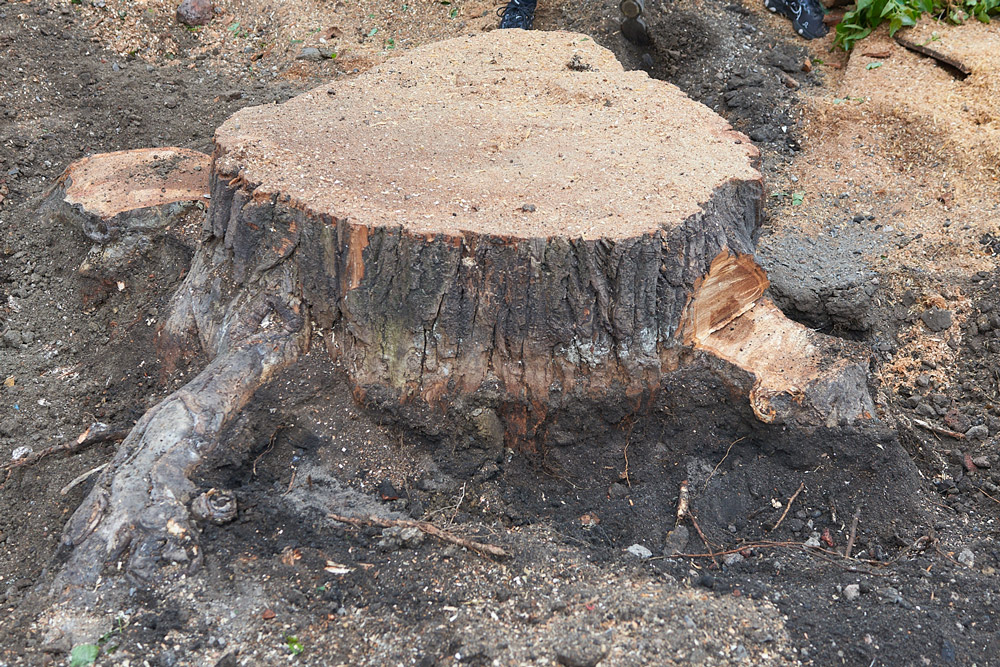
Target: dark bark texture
525 327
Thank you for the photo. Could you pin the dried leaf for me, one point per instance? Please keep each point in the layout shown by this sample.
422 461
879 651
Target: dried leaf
289 556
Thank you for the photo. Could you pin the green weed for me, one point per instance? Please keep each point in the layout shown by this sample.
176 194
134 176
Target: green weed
869 14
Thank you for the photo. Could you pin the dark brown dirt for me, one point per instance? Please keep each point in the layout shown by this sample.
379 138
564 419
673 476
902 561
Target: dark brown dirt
75 351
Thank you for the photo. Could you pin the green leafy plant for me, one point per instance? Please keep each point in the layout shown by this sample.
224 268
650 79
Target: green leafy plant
295 646
869 14
234 30
873 65
83 655
798 198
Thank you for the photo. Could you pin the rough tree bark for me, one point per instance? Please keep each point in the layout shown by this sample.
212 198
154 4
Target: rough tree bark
502 228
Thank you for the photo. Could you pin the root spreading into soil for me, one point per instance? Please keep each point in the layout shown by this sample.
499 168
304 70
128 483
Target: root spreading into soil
879 228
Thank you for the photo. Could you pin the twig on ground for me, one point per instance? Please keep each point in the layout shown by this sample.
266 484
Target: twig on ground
824 554
926 50
988 495
853 533
427 527
788 506
86 439
628 441
458 505
721 461
711 551
934 428
270 446
82 478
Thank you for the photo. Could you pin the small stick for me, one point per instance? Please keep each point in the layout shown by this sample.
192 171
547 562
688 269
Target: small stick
425 526
722 460
934 428
925 50
85 440
82 478
788 506
987 495
711 552
682 503
628 441
853 533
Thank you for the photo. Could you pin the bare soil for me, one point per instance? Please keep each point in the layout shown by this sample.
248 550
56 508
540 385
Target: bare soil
883 229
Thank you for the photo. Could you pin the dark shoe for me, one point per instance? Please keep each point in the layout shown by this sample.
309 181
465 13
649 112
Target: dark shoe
518 14
635 31
806 16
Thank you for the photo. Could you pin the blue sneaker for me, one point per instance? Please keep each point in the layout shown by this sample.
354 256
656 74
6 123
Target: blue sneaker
517 14
806 16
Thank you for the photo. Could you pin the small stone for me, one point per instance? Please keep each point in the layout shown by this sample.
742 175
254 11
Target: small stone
706 580
947 651
980 432
852 592
813 540
957 421
195 12
936 319
676 541
170 101
528 208
310 53
20 453
578 650
733 559
387 491
617 491
639 551
966 557
11 339
412 536
981 461
927 410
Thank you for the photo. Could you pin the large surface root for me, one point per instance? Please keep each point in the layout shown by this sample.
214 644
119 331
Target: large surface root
139 508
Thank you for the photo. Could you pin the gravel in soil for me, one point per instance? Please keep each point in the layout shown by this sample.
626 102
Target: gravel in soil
107 75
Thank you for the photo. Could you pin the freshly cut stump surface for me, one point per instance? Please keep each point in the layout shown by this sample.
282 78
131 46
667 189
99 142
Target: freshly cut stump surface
113 193
124 201
513 222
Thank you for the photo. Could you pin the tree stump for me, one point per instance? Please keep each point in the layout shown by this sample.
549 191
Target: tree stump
502 231
512 222
123 201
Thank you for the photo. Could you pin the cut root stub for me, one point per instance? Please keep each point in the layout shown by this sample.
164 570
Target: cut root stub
121 201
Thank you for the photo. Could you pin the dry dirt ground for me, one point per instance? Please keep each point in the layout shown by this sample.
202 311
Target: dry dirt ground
883 226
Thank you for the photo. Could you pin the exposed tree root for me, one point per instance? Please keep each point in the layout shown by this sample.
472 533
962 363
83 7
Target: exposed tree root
140 504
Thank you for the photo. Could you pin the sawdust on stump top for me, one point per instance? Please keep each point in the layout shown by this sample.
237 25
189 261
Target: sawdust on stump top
465 135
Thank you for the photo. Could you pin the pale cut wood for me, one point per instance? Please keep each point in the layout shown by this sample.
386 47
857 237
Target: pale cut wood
110 194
